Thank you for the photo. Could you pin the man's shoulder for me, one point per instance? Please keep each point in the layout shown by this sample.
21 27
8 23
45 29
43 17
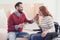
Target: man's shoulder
12 14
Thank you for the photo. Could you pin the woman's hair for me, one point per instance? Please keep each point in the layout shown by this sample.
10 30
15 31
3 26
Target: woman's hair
44 10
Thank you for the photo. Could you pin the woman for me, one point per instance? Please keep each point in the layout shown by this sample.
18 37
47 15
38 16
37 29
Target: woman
47 25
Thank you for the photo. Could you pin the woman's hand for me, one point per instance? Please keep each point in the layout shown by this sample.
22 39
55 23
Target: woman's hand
36 19
44 34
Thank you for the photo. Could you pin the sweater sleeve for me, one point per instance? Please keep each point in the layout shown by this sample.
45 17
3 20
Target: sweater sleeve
29 21
50 24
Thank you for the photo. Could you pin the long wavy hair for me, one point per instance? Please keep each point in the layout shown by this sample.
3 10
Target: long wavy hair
44 11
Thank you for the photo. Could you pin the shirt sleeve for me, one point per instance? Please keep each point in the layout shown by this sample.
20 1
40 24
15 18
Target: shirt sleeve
16 27
50 24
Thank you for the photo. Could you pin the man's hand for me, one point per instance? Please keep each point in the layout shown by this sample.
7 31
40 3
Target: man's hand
21 25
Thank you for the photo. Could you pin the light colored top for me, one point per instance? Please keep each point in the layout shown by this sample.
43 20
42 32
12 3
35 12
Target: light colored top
47 23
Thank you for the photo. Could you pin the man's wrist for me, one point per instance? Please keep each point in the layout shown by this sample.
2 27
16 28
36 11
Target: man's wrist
16 27
32 20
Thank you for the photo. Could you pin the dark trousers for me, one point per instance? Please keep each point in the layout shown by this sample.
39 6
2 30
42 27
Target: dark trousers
38 36
35 37
50 36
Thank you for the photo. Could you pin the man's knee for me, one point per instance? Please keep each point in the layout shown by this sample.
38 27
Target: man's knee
23 34
11 35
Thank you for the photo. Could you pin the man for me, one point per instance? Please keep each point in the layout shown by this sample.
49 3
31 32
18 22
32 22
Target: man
16 22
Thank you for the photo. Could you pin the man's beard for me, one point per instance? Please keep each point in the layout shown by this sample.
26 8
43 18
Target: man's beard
20 11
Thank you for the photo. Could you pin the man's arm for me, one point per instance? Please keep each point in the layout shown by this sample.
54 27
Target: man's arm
10 23
29 21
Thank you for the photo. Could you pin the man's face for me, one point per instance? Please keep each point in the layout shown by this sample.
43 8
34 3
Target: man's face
20 8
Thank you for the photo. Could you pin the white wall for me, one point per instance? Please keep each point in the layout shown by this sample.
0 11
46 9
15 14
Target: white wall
3 19
58 11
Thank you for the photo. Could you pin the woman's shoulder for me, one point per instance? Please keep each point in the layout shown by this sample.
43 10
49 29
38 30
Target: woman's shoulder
49 16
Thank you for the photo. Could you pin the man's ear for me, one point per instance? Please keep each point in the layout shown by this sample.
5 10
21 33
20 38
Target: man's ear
16 7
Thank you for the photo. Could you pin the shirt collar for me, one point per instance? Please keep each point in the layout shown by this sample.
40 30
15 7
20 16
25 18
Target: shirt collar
17 13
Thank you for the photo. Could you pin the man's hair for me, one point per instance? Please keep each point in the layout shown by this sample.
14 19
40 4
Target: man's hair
17 4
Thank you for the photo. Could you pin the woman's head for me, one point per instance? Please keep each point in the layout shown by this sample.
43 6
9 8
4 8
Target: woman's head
43 11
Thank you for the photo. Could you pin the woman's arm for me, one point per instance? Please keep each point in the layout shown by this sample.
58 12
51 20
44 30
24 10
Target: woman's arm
50 24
